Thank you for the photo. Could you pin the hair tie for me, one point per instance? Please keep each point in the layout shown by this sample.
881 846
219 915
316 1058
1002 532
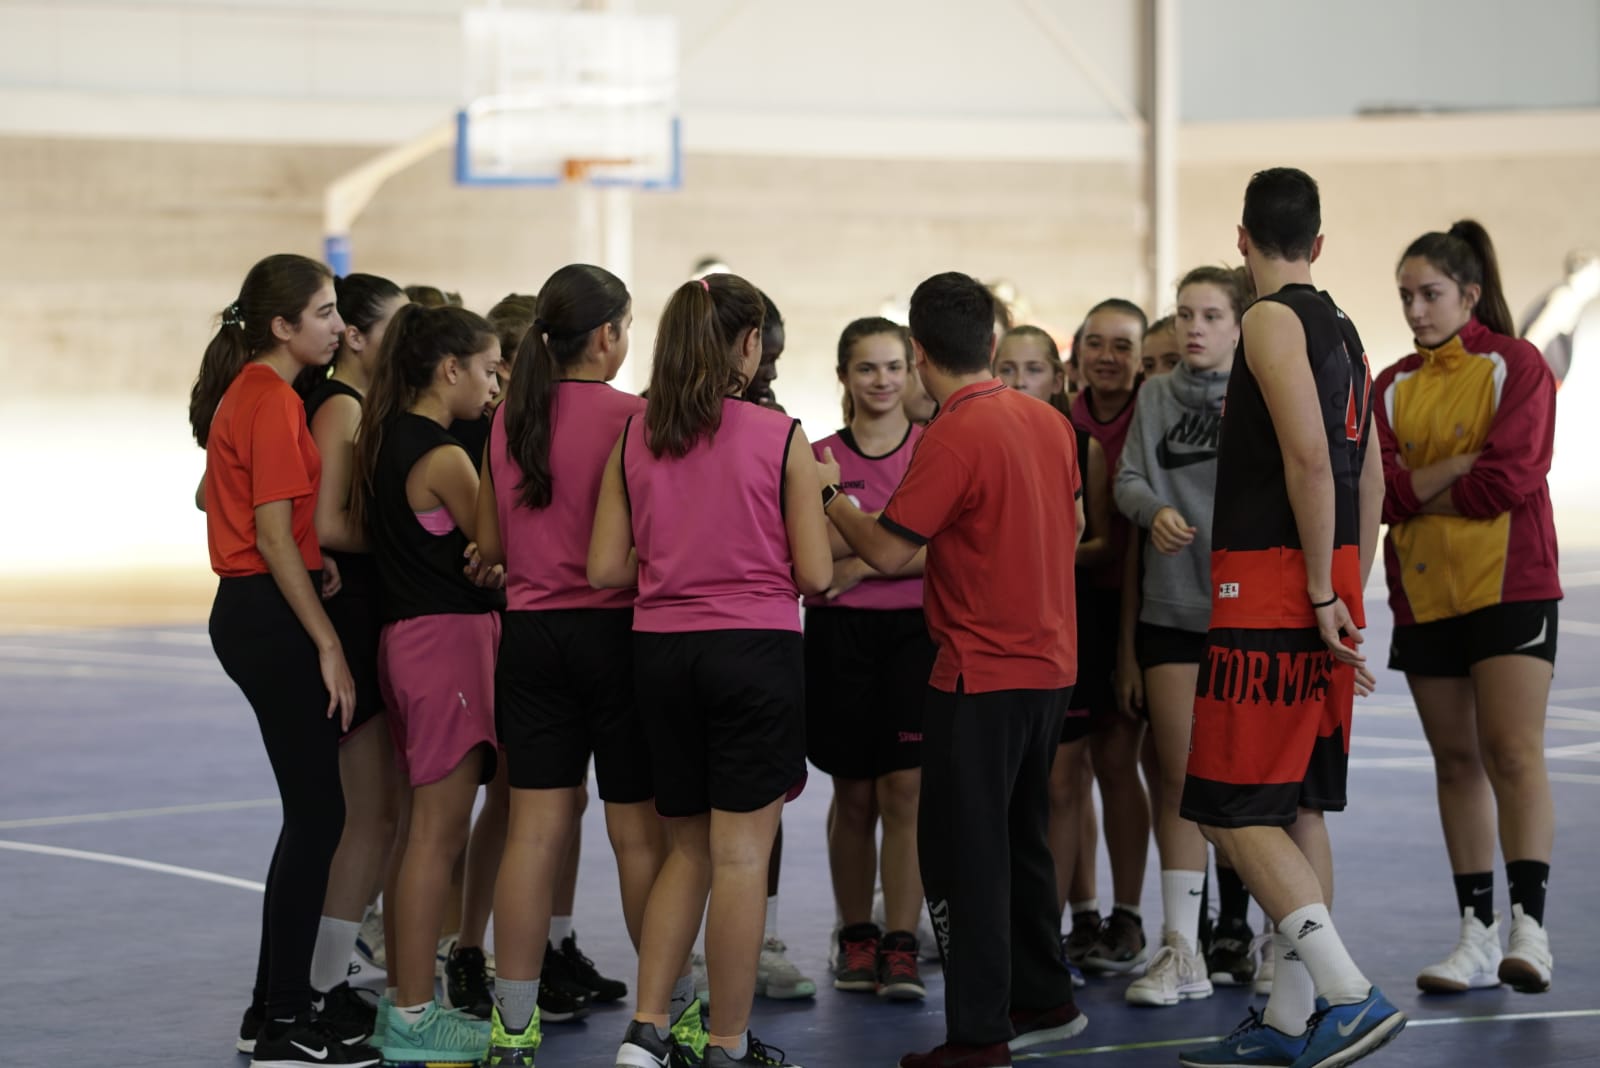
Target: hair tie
232 316
705 285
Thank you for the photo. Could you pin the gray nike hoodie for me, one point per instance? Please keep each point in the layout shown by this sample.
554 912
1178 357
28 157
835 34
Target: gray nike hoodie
1170 460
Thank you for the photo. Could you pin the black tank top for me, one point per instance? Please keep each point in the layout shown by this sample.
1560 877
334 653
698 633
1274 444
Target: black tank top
421 572
1257 570
357 571
473 434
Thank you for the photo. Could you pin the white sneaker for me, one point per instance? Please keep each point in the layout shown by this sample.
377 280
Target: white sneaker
777 978
1473 965
1266 963
1527 964
369 941
927 947
1176 973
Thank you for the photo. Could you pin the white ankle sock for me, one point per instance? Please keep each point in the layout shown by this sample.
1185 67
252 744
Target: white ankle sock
772 918
1294 995
1310 930
560 927
330 959
1091 905
413 1013
1181 895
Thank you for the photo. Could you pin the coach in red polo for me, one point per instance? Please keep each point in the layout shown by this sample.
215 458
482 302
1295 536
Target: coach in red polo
993 492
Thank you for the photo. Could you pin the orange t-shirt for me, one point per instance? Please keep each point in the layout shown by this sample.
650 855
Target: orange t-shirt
259 450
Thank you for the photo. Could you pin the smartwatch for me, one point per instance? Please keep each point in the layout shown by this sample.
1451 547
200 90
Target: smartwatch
829 493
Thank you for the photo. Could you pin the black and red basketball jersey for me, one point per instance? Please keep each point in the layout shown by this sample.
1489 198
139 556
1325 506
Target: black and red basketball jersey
1258 572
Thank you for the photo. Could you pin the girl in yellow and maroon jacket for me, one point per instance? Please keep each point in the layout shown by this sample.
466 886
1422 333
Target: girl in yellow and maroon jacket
1467 426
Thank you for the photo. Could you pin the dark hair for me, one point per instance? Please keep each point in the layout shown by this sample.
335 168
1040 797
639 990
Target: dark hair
361 300
1226 279
772 338
577 300
1052 352
433 297
418 340
1283 212
279 287
1465 253
858 330
952 318
512 318
1120 307
697 359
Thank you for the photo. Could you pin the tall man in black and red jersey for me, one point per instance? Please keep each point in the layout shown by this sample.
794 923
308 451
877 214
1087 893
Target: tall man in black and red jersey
1294 535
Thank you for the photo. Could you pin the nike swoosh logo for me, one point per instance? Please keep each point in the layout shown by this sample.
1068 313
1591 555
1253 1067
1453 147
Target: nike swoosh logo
1245 1051
314 1054
1170 460
1482 890
1544 625
1346 1029
1196 893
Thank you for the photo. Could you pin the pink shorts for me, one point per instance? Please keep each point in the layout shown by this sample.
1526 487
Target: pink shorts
437 674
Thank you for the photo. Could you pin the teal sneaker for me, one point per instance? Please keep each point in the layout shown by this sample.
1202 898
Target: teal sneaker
512 1049
689 1035
1253 1044
380 1024
1343 1034
440 1039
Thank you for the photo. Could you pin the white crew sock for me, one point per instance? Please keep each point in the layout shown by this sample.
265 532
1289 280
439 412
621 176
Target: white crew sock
330 960
560 927
1310 931
1294 995
1091 905
772 916
1181 895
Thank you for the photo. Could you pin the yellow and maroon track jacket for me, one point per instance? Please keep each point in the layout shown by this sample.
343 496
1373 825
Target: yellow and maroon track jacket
1478 392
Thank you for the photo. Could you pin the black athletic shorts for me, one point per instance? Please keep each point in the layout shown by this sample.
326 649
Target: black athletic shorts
866 684
1094 697
725 714
563 690
356 613
1155 645
1447 648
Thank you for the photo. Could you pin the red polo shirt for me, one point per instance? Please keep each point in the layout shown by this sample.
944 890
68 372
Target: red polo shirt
991 492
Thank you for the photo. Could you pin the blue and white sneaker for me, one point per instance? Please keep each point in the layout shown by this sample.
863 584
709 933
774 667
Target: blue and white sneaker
1343 1034
1253 1044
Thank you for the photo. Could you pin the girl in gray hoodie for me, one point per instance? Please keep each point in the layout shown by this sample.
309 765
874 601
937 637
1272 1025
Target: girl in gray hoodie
1165 484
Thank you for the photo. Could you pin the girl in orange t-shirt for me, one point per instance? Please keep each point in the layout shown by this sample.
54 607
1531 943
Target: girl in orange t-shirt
268 626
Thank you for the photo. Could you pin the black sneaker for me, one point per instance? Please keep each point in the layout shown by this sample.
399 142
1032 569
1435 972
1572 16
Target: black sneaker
1120 947
641 1045
560 1002
1080 939
466 982
583 972
305 1043
756 1054
857 962
898 978
250 1028
1229 961
348 1014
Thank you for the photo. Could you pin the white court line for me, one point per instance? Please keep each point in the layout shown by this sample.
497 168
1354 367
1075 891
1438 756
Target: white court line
136 813
1578 626
104 657
25 670
134 862
1445 1021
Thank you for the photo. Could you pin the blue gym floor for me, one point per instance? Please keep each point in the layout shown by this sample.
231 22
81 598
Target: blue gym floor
136 821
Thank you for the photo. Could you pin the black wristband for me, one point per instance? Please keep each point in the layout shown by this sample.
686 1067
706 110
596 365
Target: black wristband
1324 604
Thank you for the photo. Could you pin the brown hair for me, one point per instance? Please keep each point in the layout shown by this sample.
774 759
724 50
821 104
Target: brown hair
1465 253
1052 353
577 300
512 318
279 287
860 329
697 360
1234 281
418 340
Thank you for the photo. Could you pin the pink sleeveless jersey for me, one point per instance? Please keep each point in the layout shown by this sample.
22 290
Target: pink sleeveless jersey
870 481
547 549
713 550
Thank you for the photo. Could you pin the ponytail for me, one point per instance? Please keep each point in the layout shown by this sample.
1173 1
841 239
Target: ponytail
418 339
1467 256
278 287
697 360
578 300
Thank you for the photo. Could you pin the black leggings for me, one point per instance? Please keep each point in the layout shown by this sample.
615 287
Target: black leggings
266 651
